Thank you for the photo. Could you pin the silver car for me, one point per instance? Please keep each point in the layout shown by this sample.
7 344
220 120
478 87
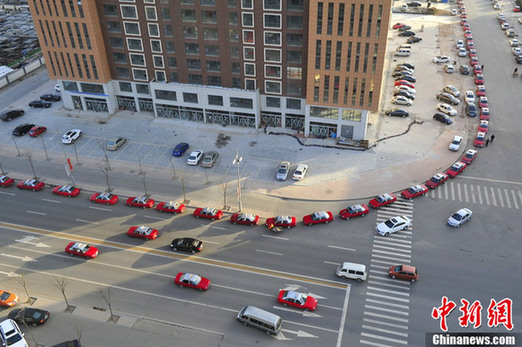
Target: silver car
460 217
115 143
209 159
393 225
283 170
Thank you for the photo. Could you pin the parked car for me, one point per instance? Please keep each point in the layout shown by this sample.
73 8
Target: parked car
40 104
171 207
414 39
443 118
195 157
403 93
7 116
481 90
408 65
464 69
448 68
50 97
66 190
29 316
408 78
11 335
480 140
460 217
104 198
404 83
140 201
37 130
209 159
354 211
456 169
483 126
398 25
469 96
208 213
455 143
186 244
71 136
451 89
282 171
469 156
180 149
393 225
401 100
414 191
22 129
405 272
185 279
318 217
300 172
397 112
143 232
462 52
382 200
244 218
404 27
484 114
6 181
441 59
407 33
414 4
405 88
8 299
31 184
471 109
115 143
281 221
447 109
447 98
82 249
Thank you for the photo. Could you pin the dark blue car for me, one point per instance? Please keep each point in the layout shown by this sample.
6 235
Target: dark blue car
180 149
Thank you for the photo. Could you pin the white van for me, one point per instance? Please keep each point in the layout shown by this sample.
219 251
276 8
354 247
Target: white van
352 270
403 52
261 319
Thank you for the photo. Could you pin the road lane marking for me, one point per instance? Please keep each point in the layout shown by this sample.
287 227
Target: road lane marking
381 330
8 193
404 342
343 248
86 221
178 256
331 262
154 217
489 180
49 200
268 252
100 208
213 227
34 212
276 237
397 326
343 317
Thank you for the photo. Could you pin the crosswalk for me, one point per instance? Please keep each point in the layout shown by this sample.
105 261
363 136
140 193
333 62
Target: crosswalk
478 194
387 301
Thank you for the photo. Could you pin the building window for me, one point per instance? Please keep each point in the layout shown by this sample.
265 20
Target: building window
109 10
140 74
150 13
294 40
361 17
160 76
248 19
272 71
241 102
212 50
319 28
94 69
250 69
92 88
122 72
318 54
236 68
351 115
294 73
215 100
172 62
234 52
119 58
379 20
129 12
158 61
294 104
167 29
336 90
248 36
294 88
142 88
165 13
232 3
250 84
190 97
329 25
273 87
125 87
247 4
116 42
190 32
326 90
134 44
349 57
273 102
174 76
365 58
233 18
272 21
214 81
191 48
324 112
294 57
169 47
209 17
352 19
113 27
369 27
233 35
210 34
295 5
374 57
294 22
195 79
187 2
249 53
132 28
272 5
194 64
155 46
137 59
328 55
208 2
272 38
188 16
213 66
153 29
357 57
272 55
340 20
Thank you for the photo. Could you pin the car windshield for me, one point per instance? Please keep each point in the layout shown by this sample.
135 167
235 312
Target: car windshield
4 296
13 339
456 216
389 223
36 315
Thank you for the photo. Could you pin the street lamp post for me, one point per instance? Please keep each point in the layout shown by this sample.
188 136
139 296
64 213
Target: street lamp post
238 159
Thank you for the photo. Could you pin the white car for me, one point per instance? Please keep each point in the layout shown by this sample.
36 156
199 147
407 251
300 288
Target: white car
516 50
58 88
11 335
195 157
462 52
441 59
455 144
300 172
71 136
447 109
496 6
451 89
520 20
393 225
401 100
460 44
449 68
514 43
460 217
469 97
405 88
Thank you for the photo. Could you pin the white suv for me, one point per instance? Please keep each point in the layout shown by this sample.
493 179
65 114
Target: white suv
71 136
11 334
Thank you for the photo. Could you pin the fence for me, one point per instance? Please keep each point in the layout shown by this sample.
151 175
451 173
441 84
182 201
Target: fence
21 72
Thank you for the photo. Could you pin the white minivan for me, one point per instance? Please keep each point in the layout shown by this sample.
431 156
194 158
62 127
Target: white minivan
353 271
261 319
403 52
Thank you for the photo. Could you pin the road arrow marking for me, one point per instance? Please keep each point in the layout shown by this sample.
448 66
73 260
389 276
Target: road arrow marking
299 333
27 240
86 221
24 258
10 274
281 337
34 212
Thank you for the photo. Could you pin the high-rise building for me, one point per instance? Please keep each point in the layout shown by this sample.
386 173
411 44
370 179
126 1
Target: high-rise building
307 65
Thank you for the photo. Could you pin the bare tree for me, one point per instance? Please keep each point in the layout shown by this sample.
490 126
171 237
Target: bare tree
61 283
224 185
21 279
79 330
106 295
105 170
142 175
29 156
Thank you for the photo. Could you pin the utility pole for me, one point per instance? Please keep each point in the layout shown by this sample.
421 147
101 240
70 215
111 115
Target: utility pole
237 160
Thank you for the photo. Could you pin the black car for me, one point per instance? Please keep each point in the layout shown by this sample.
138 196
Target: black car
40 103
464 69
397 112
471 109
401 72
407 33
443 118
448 98
72 343
404 93
413 4
404 28
50 97
186 244
408 78
408 65
414 39
22 129
29 316
10 115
